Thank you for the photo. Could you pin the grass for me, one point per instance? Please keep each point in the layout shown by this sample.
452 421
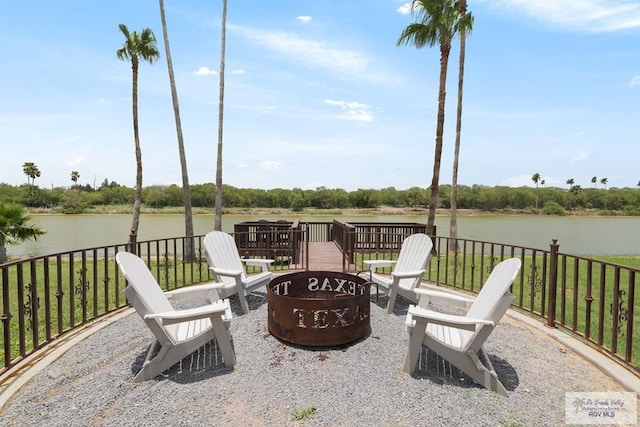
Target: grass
300 414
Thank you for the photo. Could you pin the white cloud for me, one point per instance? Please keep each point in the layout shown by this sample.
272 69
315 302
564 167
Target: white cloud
353 110
74 138
74 161
405 9
205 71
583 15
521 181
238 71
635 81
311 53
580 157
304 18
271 165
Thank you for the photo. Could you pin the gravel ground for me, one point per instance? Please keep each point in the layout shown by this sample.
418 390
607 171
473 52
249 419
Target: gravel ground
362 384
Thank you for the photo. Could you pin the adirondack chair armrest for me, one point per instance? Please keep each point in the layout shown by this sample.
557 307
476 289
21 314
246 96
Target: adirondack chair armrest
428 295
178 316
407 274
450 320
194 291
257 262
374 264
224 272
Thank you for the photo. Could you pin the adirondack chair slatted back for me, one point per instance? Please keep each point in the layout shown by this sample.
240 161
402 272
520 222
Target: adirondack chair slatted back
414 255
493 300
222 252
145 295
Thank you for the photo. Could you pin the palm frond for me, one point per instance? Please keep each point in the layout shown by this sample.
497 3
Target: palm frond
138 45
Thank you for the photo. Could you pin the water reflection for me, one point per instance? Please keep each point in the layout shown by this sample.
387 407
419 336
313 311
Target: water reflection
576 235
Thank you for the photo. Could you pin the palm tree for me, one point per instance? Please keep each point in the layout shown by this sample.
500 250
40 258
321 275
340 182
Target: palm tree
453 226
14 228
570 182
536 178
186 191
574 190
75 175
604 181
437 23
217 225
594 181
31 171
136 47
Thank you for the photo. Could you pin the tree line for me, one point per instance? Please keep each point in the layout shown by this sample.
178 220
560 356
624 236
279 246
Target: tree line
547 200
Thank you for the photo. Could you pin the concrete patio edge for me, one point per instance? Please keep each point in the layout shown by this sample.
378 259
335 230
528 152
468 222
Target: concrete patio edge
623 376
611 368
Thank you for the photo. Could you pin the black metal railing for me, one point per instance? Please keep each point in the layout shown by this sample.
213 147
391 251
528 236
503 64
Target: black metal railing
591 299
45 297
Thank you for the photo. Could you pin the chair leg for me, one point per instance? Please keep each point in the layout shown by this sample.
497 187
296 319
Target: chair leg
415 344
243 300
166 358
393 293
224 341
491 380
470 364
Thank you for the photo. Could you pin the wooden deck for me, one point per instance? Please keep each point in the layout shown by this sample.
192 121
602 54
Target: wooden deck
326 256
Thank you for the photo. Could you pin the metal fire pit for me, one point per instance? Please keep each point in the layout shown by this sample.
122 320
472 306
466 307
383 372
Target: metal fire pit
318 308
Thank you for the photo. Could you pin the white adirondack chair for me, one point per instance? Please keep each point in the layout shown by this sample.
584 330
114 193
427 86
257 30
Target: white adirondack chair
178 332
460 339
407 272
227 266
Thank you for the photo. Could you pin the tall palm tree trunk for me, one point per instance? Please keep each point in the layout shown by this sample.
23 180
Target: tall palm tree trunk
137 46
445 48
137 201
189 253
218 208
453 226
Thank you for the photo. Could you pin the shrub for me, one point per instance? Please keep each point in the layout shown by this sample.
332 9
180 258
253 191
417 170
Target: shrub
552 208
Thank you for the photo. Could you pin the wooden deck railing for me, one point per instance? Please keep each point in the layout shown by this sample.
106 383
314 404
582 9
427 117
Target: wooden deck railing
42 298
271 239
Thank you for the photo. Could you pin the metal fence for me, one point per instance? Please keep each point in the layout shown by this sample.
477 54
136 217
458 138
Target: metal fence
591 299
45 297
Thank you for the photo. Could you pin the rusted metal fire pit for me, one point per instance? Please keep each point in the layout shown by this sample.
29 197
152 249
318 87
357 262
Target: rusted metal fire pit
318 308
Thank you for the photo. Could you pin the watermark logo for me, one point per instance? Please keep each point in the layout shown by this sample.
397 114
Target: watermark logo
612 408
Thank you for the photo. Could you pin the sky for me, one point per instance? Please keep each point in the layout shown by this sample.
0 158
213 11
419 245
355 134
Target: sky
318 94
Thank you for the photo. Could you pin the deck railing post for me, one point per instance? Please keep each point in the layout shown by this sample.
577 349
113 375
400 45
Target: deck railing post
553 283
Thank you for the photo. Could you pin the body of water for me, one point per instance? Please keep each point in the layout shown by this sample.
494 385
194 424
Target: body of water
576 235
